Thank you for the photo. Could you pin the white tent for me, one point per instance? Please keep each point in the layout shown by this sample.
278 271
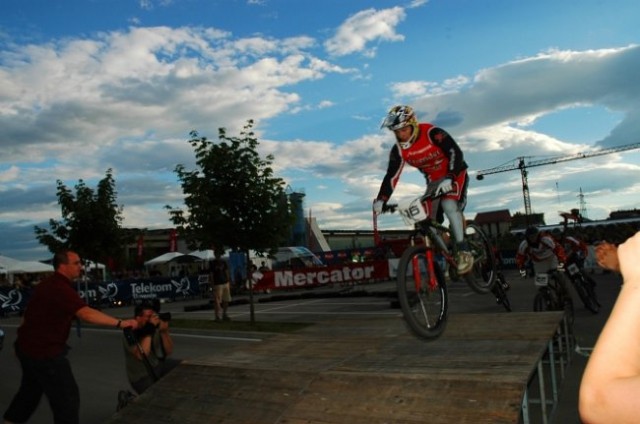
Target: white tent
15 266
165 257
205 255
97 267
208 255
173 257
7 265
32 267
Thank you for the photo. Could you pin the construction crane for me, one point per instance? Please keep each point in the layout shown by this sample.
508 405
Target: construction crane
522 164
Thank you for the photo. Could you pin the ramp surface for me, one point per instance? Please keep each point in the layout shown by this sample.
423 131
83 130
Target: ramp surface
360 371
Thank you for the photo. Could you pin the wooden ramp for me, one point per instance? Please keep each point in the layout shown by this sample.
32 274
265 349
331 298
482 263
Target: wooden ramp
367 371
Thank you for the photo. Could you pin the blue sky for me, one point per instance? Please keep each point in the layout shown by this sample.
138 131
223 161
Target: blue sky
87 85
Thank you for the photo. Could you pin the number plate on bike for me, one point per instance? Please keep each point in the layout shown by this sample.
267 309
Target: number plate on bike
573 269
413 211
541 280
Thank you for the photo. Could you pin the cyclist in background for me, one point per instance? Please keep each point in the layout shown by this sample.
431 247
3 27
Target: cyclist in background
576 249
542 249
439 158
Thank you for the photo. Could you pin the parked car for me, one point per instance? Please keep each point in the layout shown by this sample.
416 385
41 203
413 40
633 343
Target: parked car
294 257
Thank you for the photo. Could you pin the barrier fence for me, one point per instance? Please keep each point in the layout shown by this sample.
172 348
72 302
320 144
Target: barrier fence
132 290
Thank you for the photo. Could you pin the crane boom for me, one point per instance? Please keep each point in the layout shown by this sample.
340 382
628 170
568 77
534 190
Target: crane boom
557 159
522 164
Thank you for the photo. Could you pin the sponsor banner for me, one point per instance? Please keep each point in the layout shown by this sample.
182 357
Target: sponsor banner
119 292
13 299
508 259
346 274
136 289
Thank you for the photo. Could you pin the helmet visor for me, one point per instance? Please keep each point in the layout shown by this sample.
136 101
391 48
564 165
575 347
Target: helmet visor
393 122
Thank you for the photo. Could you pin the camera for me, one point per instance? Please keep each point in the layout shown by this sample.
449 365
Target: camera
129 336
165 316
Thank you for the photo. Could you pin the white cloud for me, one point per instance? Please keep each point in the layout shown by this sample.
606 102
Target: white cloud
364 27
9 174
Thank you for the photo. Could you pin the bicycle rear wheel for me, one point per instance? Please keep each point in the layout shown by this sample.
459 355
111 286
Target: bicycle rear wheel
482 277
424 308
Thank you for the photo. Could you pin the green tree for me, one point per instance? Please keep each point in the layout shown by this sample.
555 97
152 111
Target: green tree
91 222
232 198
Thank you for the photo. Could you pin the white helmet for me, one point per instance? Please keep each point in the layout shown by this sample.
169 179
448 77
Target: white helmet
400 117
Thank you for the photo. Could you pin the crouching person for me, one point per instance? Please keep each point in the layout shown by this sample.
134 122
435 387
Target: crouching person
147 349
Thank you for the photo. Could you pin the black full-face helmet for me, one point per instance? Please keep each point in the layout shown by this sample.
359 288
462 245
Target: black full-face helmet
531 234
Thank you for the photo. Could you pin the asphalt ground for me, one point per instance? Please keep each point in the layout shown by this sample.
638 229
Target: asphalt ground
98 362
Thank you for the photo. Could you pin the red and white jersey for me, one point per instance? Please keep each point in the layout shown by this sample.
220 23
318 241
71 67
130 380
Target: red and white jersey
435 153
577 246
545 255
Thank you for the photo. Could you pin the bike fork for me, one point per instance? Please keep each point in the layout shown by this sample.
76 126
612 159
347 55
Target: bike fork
417 275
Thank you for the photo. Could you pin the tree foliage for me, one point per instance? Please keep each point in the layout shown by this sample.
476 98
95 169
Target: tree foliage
232 199
91 222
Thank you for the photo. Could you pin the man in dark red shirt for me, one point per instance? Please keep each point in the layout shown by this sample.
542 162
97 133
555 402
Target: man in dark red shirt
41 344
438 157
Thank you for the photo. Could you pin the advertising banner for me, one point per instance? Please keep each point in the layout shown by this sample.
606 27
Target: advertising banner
137 289
12 300
344 275
119 292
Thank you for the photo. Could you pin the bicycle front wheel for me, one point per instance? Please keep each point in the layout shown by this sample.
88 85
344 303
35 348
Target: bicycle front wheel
482 276
580 286
542 302
591 288
423 300
500 294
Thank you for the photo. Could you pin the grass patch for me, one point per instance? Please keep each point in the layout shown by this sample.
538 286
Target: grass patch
264 326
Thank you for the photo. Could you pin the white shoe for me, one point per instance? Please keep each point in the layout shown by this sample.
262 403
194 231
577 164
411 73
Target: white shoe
465 262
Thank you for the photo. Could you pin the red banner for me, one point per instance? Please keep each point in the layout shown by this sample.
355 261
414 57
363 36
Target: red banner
140 248
173 240
345 274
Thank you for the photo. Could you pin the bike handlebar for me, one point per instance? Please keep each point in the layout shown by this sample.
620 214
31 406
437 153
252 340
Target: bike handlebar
429 194
391 208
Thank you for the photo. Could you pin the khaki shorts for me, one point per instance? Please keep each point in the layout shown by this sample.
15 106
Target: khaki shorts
222 292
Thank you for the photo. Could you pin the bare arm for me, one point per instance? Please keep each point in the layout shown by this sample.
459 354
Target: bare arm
610 385
94 316
167 341
607 256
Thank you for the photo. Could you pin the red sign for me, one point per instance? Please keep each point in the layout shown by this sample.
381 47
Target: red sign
345 274
173 240
140 247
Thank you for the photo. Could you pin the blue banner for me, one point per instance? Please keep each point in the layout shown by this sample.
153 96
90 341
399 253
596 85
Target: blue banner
119 292
13 299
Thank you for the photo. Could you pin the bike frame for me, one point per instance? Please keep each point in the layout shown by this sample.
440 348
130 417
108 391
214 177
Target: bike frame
553 285
429 232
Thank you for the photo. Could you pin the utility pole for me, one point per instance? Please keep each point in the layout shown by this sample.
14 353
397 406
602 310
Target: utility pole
583 204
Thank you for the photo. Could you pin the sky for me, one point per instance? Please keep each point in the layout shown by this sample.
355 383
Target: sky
91 85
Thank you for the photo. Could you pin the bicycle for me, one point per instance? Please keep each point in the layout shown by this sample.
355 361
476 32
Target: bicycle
499 290
422 292
501 286
552 294
583 284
